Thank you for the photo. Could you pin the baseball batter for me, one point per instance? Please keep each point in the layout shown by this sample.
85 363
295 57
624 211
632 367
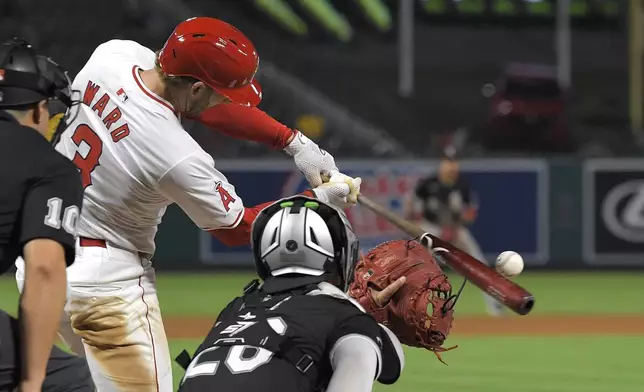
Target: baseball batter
135 159
448 206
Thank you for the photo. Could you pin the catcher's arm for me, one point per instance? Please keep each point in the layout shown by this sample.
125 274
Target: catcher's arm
355 359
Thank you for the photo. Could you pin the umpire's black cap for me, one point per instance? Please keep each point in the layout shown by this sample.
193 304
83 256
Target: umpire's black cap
27 77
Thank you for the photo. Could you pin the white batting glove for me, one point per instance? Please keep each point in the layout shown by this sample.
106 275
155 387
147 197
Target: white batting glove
341 190
310 159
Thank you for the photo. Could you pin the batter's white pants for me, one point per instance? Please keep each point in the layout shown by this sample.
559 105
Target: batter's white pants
112 317
465 241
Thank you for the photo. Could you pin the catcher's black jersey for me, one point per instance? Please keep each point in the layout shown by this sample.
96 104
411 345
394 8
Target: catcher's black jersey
281 343
443 203
40 195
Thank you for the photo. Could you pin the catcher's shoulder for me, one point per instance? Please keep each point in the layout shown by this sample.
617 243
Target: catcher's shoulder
332 293
392 356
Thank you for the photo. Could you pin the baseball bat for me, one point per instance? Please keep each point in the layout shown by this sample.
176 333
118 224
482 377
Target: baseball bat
487 279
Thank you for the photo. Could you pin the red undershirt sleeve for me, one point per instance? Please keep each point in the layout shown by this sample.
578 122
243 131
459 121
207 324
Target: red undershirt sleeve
240 234
247 123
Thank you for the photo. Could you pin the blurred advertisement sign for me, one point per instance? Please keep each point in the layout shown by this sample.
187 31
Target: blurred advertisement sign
512 196
614 211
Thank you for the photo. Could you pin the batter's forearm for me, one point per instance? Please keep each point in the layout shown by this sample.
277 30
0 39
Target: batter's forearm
41 306
247 123
240 234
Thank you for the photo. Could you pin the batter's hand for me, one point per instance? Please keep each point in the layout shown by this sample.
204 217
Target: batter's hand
340 190
310 159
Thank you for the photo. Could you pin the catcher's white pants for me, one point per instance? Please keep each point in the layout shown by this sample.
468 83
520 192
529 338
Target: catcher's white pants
112 317
465 241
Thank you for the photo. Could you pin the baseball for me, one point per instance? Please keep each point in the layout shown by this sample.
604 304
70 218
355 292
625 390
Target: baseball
509 264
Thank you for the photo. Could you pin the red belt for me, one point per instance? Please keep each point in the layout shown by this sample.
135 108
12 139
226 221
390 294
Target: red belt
91 242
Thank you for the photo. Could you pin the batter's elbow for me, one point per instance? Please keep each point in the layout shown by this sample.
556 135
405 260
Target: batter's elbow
232 237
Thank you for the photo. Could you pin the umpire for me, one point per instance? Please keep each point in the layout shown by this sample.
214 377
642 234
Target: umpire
40 200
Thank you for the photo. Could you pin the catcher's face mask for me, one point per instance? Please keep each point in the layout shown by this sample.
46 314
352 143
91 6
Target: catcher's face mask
303 236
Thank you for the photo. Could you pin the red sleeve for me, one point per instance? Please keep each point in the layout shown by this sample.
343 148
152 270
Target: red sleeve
240 235
246 123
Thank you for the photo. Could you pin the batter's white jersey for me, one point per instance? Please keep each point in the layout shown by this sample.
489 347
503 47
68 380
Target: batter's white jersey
134 156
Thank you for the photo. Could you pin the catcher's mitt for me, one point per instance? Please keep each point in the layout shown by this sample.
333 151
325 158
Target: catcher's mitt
408 313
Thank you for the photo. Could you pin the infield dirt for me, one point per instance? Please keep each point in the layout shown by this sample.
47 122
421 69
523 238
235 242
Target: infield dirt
552 325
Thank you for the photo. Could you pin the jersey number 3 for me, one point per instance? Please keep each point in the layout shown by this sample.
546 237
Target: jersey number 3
87 164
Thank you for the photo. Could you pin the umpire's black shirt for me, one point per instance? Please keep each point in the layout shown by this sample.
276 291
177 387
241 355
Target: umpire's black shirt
40 192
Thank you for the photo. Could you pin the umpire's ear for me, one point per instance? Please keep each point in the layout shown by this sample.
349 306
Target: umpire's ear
393 357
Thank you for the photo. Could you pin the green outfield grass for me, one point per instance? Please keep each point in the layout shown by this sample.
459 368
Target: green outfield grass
516 364
480 364
555 293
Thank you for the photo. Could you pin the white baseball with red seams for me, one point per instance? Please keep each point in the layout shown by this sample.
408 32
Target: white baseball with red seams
509 263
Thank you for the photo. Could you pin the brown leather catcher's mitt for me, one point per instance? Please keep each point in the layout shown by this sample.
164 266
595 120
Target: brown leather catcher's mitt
408 313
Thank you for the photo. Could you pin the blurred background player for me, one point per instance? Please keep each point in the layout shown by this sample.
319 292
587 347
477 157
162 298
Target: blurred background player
298 331
40 200
445 206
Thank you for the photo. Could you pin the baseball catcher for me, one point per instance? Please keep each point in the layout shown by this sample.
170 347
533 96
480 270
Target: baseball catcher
300 331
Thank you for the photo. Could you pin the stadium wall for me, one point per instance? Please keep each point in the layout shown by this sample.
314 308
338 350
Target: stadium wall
558 213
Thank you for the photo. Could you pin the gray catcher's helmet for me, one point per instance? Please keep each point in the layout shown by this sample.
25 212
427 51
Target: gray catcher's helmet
301 236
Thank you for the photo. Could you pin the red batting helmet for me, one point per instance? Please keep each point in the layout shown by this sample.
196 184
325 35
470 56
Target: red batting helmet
216 53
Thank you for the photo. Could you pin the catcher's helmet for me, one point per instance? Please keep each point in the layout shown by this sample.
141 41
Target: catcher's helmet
217 54
303 239
27 77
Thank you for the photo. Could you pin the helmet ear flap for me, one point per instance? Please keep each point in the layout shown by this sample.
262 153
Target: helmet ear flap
257 229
